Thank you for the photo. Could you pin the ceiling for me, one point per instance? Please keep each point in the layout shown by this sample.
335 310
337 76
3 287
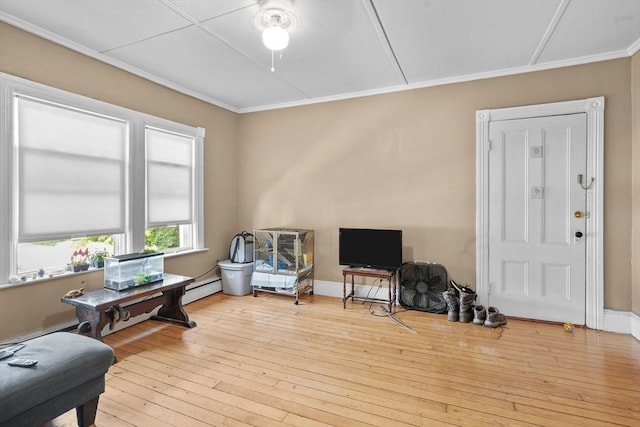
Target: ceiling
210 49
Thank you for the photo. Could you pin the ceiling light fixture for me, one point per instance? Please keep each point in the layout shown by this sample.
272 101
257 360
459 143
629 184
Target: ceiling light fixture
275 20
275 37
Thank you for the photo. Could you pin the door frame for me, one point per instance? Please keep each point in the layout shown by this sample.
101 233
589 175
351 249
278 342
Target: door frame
594 274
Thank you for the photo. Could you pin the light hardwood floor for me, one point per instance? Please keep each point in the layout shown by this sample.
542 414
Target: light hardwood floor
267 362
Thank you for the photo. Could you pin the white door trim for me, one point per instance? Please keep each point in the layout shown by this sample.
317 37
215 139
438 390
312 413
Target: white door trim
594 108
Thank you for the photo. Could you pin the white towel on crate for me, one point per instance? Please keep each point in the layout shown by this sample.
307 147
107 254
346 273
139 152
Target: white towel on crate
277 281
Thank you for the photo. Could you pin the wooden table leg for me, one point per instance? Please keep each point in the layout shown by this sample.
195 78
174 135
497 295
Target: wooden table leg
390 296
344 290
395 287
353 288
95 320
172 309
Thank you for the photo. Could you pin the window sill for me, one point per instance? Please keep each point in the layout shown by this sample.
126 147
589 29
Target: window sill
185 252
68 274
30 281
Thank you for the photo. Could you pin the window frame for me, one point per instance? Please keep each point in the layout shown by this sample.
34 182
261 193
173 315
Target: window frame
146 120
135 207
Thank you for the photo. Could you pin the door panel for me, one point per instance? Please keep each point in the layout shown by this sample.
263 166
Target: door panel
515 199
536 264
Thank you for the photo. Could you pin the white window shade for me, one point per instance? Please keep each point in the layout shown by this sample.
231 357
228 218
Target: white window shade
170 161
71 171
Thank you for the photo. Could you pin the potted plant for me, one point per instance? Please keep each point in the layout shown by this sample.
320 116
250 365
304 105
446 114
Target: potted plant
97 258
80 260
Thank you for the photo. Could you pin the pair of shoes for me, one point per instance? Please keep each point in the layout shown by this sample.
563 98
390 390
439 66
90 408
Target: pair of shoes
494 318
490 317
451 298
460 301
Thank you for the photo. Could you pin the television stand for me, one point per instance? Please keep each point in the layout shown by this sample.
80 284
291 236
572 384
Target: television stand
390 276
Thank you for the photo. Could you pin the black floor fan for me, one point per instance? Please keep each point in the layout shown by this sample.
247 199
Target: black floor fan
422 285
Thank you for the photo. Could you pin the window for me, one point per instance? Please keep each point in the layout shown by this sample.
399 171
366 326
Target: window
80 173
70 172
166 239
50 257
170 181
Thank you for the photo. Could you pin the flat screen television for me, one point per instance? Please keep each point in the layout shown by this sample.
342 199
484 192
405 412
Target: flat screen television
371 248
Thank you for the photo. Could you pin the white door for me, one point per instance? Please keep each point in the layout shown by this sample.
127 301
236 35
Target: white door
537 217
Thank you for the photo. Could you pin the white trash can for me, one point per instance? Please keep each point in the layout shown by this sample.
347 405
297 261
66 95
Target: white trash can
236 277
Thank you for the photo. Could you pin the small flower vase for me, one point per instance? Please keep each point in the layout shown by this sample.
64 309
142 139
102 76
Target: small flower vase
97 264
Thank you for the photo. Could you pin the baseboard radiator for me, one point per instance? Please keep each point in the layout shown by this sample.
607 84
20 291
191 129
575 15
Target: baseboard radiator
193 292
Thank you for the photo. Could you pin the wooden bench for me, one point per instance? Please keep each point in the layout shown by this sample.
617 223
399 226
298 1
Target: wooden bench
100 307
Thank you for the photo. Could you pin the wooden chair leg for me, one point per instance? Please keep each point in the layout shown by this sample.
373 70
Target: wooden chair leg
86 413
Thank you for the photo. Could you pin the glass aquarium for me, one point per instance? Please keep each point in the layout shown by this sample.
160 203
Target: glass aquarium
128 271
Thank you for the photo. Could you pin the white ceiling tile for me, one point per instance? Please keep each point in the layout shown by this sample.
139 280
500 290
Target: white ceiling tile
98 24
193 59
202 10
333 49
591 27
440 39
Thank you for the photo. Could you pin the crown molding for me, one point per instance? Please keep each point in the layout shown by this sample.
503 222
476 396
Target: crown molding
634 48
40 32
446 81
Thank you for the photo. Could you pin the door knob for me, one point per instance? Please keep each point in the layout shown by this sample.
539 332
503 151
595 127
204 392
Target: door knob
577 214
579 234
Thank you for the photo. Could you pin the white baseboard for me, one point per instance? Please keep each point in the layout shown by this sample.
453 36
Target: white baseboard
334 289
200 289
328 289
622 322
635 326
45 331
